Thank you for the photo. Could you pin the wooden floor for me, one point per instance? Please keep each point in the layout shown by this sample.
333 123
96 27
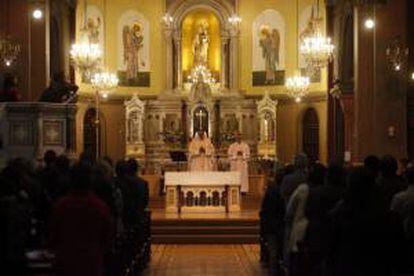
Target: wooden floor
211 260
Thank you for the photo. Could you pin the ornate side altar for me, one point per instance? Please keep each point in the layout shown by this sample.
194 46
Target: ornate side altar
202 191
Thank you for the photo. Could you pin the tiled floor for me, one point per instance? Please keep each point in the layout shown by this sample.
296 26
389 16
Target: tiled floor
209 260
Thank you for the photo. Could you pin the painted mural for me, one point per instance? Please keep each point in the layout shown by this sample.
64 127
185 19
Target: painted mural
268 57
133 50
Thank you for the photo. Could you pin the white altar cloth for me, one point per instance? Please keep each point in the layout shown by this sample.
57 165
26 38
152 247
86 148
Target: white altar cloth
182 185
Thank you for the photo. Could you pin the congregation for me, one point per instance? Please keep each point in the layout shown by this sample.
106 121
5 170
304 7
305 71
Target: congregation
339 220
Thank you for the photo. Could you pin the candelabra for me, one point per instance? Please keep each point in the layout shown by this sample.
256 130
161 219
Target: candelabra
103 83
201 74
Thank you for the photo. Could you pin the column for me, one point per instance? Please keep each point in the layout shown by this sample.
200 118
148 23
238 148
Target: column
224 61
234 60
169 56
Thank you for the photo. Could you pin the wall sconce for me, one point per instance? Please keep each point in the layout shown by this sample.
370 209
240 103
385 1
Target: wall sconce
37 9
167 20
391 131
234 22
369 23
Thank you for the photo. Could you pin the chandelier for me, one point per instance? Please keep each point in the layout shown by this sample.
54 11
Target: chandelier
104 82
316 48
85 55
297 87
9 50
201 74
397 55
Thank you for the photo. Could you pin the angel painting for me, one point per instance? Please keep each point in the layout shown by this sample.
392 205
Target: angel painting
133 41
269 41
93 25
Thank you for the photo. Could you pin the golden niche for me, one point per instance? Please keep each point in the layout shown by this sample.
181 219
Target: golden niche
201 42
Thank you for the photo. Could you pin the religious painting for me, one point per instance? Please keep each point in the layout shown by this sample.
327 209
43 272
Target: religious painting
133 50
53 133
152 128
95 26
268 57
307 27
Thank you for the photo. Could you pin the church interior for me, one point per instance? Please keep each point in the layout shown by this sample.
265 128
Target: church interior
204 127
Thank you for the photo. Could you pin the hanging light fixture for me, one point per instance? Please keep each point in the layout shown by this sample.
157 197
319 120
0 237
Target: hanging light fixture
10 48
85 55
317 49
104 82
297 86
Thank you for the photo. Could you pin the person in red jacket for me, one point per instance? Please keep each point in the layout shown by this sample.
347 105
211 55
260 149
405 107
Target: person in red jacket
81 228
10 93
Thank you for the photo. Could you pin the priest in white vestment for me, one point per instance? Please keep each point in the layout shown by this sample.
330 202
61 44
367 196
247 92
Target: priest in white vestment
201 152
239 154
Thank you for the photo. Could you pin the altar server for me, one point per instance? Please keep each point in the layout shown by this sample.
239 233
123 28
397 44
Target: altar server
239 154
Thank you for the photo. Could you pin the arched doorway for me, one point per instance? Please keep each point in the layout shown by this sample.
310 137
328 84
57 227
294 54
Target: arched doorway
89 133
310 134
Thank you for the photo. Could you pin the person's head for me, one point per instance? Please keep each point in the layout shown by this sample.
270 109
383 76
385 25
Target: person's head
121 168
81 177
133 166
49 157
360 183
301 161
108 160
388 166
335 174
87 157
102 170
201 134
289 169
317 175
63 163
238 136
372 164
409 175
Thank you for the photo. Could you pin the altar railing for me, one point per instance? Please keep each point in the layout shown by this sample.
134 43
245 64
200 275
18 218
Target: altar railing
202 191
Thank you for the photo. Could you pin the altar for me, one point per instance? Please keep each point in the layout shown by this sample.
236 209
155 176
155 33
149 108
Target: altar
202 192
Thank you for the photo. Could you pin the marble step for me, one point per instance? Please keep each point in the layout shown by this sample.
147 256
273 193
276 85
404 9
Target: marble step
214 230
205 239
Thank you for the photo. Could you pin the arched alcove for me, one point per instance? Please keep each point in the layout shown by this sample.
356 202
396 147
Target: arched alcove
310 134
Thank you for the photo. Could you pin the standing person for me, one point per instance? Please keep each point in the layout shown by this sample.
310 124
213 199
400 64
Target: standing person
389 183
239 154
80 228
299 176
201 152
403 205
321 200
365 238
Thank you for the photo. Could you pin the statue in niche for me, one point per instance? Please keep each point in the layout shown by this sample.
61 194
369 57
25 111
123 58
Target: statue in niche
270 43
133 128
133 41
201 44
92 27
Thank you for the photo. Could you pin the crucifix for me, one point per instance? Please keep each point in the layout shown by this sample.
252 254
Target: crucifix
200 116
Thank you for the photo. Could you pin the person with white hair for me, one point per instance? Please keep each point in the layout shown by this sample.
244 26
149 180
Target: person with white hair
200 152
